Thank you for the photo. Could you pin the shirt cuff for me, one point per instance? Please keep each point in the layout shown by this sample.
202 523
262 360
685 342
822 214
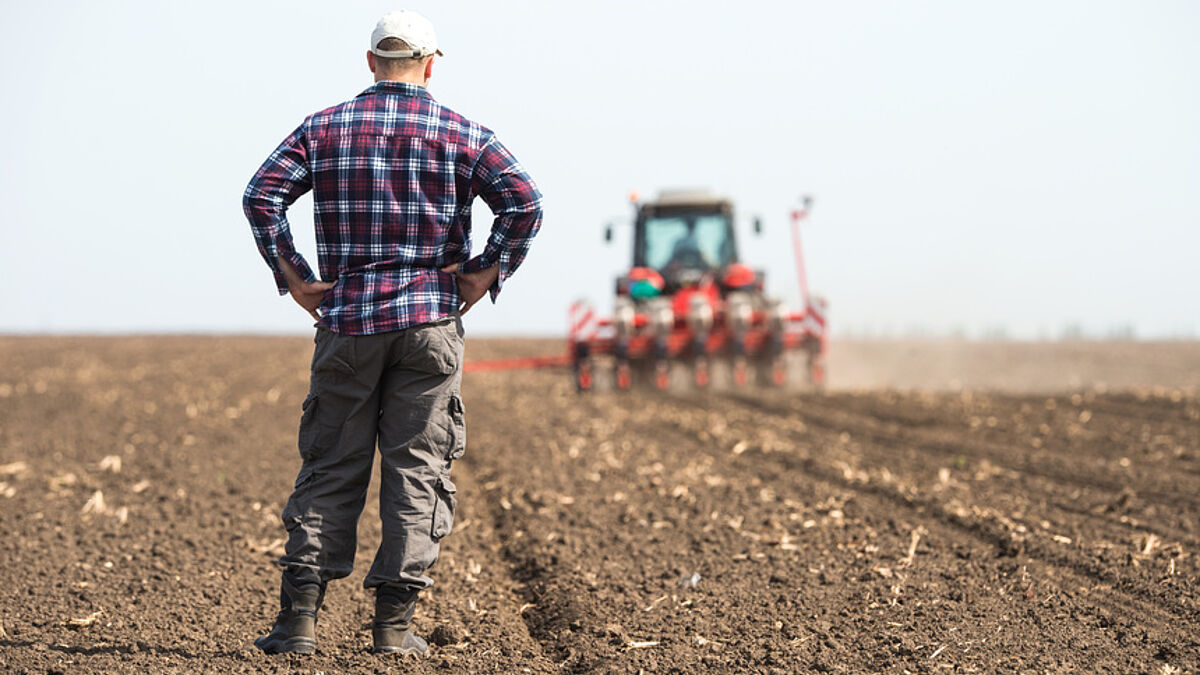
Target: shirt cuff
500 277
485 260
479 262
298 262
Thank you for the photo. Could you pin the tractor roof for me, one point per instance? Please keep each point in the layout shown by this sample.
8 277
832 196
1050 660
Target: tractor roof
701 197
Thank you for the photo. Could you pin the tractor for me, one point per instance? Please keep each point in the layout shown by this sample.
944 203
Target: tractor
688 300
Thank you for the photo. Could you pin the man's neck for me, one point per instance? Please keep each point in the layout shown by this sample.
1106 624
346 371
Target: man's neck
418 80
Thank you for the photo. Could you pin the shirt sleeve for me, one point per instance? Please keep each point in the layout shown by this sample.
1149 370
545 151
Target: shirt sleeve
517 205
278 183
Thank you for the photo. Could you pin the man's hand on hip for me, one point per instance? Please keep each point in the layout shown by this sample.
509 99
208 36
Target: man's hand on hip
472 285
307 294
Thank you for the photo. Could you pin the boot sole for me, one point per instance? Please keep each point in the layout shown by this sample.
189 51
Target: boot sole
296 645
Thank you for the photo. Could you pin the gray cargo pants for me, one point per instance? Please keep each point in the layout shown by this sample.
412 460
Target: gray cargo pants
400 389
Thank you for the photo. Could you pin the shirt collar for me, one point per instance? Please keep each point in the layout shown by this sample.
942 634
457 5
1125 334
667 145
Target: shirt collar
397 88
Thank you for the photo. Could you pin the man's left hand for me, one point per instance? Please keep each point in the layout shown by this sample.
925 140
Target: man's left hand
472 285
307 294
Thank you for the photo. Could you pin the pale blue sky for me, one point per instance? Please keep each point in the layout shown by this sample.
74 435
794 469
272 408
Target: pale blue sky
1018 164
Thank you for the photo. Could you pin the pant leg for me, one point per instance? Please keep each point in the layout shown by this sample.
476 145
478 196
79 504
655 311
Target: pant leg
420 428
337 445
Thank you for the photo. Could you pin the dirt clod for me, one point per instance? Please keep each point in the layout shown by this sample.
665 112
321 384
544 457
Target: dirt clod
447 634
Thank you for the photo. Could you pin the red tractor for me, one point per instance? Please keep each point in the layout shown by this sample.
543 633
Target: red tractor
688 300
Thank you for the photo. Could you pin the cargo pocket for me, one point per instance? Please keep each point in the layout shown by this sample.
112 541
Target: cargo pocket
436 348
458 428
334 354
308 427
298 503
443 508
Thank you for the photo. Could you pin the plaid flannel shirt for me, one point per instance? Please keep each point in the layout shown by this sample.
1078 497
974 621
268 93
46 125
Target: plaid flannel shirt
393 175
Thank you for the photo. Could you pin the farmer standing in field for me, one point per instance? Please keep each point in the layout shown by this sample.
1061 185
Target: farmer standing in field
393 175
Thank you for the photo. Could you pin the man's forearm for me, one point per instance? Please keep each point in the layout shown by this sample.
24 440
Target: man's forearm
290 274
517 204
512 234
282 178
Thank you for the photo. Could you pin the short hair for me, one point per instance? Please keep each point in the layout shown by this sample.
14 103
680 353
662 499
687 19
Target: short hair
397 65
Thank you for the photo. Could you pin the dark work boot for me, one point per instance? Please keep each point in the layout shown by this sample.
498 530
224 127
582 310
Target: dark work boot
295 627
392 628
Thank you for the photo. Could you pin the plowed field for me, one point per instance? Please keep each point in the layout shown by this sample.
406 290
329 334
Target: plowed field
929 519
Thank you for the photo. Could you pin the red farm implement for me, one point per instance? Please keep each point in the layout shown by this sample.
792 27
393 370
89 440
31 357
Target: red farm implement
688 302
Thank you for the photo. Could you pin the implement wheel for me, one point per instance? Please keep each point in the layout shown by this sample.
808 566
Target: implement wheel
741 375
624 377
584 379
662 375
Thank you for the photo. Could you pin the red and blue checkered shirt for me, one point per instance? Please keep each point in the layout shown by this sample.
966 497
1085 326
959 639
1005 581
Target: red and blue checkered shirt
393 175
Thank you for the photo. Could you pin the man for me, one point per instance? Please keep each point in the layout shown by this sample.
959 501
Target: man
393 175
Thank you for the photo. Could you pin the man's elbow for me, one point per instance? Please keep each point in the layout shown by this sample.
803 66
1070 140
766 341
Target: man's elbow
527 220
533 207
255 204
249 201
527 211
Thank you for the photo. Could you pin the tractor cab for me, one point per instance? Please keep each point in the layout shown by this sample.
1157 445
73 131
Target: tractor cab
685 241
684 236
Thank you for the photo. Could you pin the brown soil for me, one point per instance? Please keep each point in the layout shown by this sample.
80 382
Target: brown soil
867 530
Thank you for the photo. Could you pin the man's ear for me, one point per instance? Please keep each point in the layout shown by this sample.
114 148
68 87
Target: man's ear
429 69
371 60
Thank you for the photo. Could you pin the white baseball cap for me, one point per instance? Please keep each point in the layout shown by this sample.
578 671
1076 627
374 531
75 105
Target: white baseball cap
409 26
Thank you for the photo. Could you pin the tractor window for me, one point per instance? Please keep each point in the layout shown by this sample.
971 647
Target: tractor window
692 241
712 233
663 237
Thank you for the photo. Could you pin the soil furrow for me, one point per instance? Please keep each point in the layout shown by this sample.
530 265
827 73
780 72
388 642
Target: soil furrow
820 414
994 531
1162 625
1103 510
